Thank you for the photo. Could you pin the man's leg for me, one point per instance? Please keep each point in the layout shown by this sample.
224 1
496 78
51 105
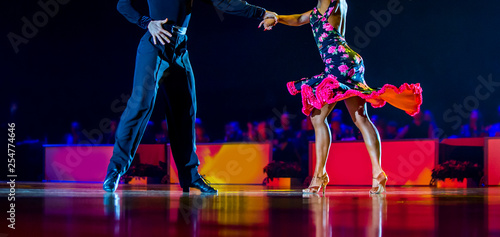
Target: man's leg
180 112
136 115
181 115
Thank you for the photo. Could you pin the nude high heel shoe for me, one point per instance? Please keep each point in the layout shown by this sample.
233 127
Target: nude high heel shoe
382 181
313 188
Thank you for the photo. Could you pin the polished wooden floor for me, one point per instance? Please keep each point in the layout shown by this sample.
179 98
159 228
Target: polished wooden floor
72 209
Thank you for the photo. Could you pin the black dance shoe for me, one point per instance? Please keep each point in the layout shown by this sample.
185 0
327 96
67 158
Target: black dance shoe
111 181
203 185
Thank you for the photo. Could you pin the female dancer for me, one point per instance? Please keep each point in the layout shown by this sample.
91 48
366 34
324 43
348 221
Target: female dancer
343 79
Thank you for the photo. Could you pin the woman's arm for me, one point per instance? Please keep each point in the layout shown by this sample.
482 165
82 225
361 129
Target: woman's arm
294 20
291 20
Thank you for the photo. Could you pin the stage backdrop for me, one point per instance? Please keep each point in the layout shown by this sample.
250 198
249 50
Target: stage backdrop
406 162
72 66
229 163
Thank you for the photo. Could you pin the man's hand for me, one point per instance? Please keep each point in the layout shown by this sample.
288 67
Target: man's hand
158 33
270 20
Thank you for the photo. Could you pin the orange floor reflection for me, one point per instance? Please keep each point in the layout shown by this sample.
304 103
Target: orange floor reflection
62 209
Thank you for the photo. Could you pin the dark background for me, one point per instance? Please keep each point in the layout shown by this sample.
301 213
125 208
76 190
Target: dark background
81 61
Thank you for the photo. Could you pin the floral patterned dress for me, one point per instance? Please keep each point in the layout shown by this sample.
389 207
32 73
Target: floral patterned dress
343 76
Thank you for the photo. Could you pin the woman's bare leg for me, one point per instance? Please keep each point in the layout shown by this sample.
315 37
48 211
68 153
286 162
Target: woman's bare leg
323 137
359 115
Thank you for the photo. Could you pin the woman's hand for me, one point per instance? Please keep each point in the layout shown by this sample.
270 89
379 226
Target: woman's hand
156 30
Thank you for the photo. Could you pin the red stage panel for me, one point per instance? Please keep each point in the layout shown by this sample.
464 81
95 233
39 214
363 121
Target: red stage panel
230 163
76 163
470 141
492 160
89 163
406 162
151 154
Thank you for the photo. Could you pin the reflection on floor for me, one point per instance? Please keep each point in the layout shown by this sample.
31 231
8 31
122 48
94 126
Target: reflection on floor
72 209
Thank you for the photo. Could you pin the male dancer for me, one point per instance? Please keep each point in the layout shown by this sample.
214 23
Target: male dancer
162 57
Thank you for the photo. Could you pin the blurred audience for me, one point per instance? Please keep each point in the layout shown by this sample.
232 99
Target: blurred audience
201 135
285 148
264 132
429 117
304 136
291 145
285 132
339 130
75 136
380 124
391 130
258 132
417 129
494 129
109 138
251 134
149 134
306 132
161 137
475 127
233 132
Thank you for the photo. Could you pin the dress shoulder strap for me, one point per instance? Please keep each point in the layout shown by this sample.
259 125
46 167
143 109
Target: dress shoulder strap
331 7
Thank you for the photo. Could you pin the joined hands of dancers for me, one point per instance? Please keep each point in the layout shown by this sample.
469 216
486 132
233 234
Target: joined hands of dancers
270 20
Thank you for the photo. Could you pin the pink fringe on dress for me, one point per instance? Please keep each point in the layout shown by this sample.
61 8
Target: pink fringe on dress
291 88
407 97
